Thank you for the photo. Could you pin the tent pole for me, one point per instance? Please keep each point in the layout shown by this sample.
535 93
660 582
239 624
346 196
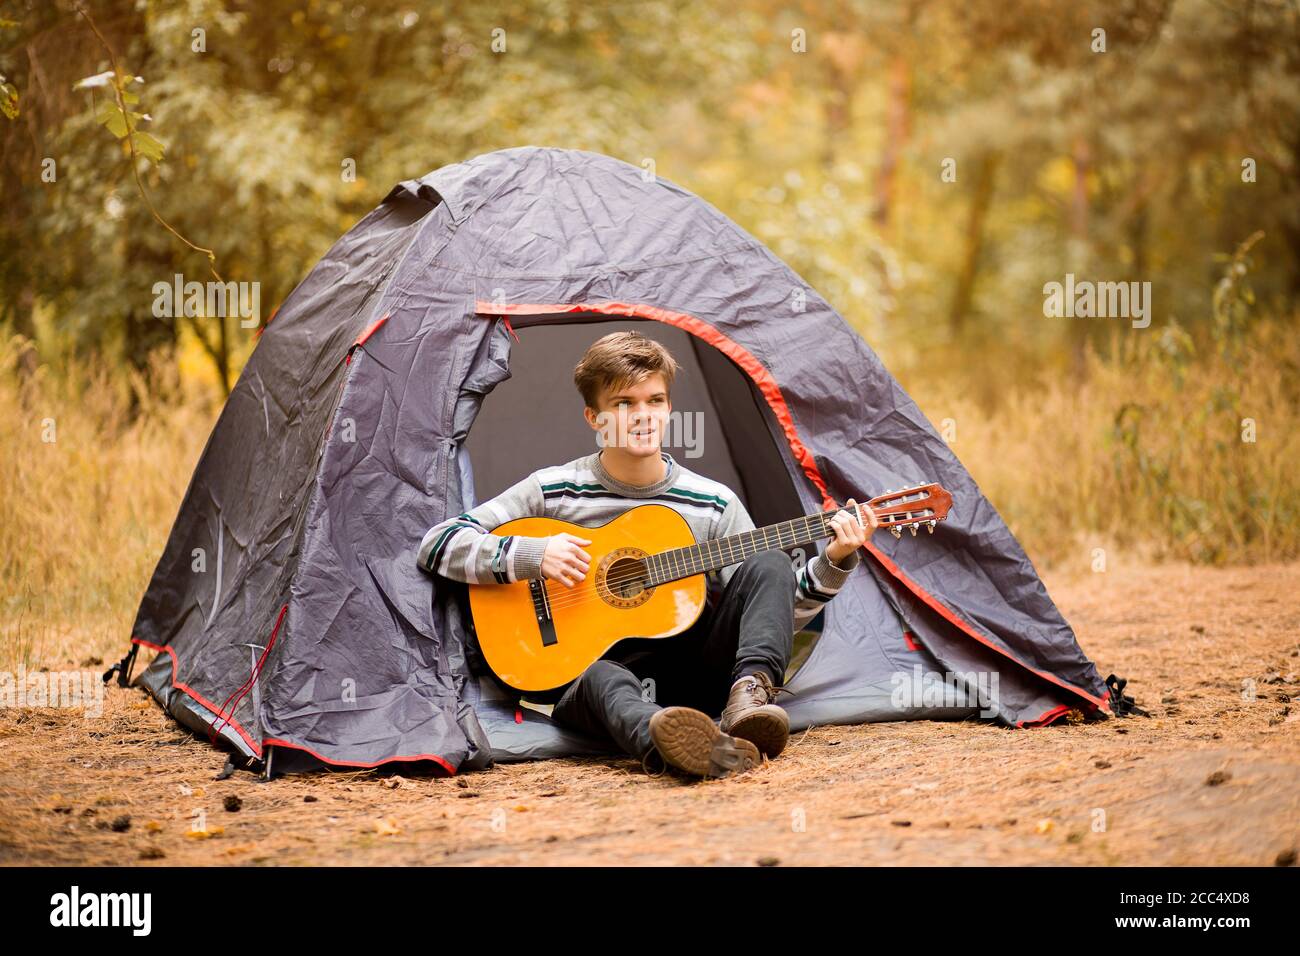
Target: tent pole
123 668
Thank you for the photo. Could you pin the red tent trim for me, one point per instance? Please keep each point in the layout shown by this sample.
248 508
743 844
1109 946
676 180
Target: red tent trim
277 742
191 693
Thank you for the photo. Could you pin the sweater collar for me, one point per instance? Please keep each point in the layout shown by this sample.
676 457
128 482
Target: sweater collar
636 491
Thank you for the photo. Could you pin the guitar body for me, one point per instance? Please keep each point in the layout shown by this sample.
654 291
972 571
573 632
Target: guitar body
646 579
537 635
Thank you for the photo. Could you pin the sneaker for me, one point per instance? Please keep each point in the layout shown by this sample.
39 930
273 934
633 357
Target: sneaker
689 740
751 715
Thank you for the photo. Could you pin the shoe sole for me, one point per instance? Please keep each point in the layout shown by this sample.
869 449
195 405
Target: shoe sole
689 740
768 730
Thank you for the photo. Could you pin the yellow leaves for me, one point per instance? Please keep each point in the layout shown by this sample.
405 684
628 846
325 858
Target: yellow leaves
387 827
8 100
205 833
1045 826
1057 175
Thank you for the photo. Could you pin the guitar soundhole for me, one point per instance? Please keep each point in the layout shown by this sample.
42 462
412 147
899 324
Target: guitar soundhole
620 578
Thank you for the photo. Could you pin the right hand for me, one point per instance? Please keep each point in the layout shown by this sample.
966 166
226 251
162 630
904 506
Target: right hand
564 560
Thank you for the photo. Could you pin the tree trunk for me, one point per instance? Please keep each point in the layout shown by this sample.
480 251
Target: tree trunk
897 125
986 168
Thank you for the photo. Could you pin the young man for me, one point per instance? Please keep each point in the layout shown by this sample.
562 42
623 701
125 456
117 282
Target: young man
654 697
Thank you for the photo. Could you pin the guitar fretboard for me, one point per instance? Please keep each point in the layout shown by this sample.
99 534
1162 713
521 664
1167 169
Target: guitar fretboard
720 552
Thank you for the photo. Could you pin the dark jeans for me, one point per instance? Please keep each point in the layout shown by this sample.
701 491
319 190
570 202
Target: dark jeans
750 629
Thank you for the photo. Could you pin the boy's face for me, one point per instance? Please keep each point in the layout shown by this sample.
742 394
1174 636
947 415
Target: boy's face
632 417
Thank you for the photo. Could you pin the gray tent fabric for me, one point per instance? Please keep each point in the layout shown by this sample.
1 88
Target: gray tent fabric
425 364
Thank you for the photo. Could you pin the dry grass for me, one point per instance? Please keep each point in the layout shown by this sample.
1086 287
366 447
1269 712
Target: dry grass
1145 456
88 493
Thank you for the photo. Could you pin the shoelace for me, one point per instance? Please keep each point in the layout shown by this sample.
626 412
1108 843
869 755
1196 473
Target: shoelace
759 689
653 757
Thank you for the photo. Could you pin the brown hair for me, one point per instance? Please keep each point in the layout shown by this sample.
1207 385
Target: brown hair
618 359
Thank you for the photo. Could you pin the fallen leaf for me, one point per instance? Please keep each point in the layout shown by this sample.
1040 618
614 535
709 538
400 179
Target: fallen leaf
205 834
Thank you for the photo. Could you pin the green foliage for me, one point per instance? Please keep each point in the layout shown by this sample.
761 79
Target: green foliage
113 114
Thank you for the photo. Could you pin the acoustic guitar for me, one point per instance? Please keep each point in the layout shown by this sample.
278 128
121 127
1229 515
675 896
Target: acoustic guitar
646 579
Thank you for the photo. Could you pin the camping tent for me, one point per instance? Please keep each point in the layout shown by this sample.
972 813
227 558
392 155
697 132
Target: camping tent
424 364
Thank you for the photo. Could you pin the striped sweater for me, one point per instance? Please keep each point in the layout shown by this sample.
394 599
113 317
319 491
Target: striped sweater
584 493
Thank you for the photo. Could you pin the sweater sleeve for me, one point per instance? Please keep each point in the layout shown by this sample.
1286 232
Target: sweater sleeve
464 548
816 582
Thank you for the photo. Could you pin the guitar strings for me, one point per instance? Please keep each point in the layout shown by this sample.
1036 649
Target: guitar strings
578 594
571 597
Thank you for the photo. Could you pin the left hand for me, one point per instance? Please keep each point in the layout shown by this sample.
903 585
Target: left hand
849 532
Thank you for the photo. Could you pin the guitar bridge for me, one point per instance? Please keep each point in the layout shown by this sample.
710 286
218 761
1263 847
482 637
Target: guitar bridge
542 611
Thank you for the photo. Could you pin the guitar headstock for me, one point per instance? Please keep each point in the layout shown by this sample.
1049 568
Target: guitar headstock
926 504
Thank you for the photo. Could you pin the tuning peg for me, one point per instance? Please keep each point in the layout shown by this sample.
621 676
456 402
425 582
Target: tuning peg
912 528
896 532
930 526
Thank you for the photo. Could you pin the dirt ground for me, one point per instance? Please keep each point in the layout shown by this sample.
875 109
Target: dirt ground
1211 778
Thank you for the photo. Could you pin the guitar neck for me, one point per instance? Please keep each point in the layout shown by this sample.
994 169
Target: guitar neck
721 552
